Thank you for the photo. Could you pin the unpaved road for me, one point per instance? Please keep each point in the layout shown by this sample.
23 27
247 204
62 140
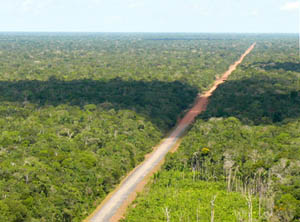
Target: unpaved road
113 207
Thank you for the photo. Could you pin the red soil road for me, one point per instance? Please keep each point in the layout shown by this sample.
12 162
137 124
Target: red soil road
115 204
202 100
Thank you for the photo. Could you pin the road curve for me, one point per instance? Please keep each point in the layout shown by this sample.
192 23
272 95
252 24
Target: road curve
119 198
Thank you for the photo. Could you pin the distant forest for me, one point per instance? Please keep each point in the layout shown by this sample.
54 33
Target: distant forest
79 111
241 159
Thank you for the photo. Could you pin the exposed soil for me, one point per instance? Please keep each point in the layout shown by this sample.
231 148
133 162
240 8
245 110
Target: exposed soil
154 160
202 100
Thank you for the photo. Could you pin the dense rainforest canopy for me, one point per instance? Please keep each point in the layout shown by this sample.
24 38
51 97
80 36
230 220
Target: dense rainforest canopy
241 159
78 111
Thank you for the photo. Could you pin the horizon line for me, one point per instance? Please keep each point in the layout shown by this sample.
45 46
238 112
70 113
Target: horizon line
141 32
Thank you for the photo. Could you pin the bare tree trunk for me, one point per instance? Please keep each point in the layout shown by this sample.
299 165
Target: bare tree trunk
259 204
26 178
194 174
249 200
212 212
234 178
167 212
229 180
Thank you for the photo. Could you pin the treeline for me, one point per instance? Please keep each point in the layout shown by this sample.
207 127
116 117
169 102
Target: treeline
247 141
65 145
77 112
159 102
128 56
58 162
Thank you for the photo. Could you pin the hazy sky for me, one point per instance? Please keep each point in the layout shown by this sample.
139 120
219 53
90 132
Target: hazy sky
150 15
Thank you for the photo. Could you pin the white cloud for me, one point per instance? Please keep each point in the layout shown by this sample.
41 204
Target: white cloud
27 5
96 2
136 3
199 8
33 6
290 6
112 20
253 13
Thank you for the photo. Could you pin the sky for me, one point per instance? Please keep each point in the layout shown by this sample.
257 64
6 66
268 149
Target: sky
245 16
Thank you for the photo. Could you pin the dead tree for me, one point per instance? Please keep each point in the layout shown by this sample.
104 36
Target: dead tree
212 211
167 212
250 207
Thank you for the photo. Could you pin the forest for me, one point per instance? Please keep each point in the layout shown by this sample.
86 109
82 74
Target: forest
241 159
79 111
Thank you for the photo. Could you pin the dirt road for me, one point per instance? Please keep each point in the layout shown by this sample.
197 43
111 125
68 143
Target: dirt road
114 206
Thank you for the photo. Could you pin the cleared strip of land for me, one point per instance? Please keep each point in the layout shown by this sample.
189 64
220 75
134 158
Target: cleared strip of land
115 204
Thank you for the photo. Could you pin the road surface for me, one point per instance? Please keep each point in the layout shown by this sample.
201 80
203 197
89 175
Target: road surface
114 205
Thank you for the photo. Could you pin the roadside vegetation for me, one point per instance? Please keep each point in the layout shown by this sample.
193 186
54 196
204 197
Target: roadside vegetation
241 159
77 112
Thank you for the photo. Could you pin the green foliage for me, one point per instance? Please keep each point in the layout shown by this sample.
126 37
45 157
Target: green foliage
77 111
65 158
194 59
188 200
252 130
160 102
